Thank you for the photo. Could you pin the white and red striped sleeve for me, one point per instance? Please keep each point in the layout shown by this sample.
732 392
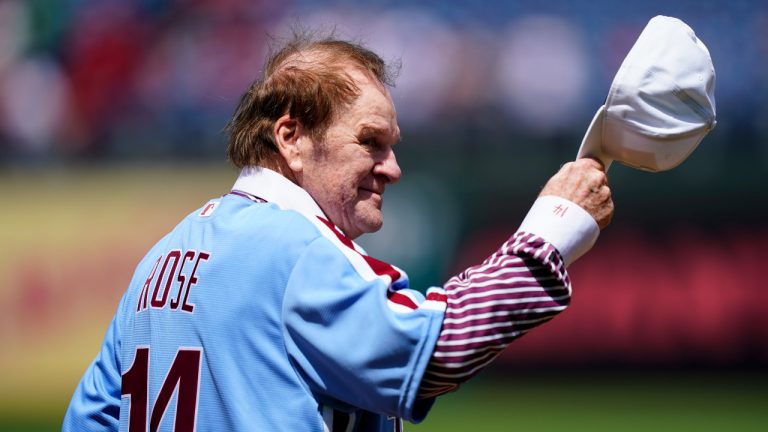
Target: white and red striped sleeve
521 286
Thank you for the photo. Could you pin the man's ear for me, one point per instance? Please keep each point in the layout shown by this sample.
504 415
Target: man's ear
287 132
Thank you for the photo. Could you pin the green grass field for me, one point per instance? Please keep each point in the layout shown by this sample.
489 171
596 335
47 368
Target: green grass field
596 402
607 402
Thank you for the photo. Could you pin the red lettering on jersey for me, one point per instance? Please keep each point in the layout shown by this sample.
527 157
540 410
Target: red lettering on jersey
142 303
189 307
166 277
559 210
190 255
208 209
160 302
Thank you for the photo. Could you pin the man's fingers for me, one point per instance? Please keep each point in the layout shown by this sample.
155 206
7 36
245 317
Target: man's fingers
584 182
590 161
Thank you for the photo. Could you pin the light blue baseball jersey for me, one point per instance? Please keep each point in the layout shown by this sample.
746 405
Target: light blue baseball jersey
260 316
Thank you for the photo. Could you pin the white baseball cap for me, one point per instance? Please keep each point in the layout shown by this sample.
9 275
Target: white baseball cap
661 102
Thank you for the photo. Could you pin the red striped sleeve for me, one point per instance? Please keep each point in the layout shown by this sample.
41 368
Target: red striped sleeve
521 286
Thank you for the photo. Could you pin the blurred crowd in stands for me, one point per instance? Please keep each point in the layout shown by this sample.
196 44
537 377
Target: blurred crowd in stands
144 79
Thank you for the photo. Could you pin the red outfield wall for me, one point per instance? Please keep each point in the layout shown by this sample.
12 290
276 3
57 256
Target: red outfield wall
680 298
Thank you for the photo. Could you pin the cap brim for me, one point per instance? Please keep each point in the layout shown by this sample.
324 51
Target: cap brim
648 153
592 144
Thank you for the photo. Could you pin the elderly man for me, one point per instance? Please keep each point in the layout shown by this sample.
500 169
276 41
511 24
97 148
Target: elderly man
259 312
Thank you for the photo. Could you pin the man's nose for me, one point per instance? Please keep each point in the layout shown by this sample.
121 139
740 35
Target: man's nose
388 167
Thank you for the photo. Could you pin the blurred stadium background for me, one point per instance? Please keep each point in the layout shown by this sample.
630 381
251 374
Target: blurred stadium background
111 115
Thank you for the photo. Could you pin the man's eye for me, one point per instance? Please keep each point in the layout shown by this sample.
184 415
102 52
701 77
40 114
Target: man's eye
369 142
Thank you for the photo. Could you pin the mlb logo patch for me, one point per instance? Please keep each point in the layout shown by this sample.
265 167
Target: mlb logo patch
208 209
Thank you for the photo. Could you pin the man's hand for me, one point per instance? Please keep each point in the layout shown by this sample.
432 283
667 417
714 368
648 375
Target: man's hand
585 183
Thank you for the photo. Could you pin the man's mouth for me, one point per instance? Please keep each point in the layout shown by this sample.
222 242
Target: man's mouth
378 192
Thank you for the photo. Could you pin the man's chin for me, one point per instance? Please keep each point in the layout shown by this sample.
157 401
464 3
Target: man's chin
375 227
368 225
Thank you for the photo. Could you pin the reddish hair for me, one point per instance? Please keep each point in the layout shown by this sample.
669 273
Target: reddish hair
306 79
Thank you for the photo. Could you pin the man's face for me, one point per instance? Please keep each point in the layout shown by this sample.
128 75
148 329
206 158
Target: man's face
346 173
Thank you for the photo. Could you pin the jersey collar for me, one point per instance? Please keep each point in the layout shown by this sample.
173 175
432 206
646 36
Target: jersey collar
273 187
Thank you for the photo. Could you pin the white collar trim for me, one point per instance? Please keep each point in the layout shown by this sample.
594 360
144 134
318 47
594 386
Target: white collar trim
273 187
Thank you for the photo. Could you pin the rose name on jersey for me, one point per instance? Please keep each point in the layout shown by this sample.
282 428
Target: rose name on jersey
170 286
